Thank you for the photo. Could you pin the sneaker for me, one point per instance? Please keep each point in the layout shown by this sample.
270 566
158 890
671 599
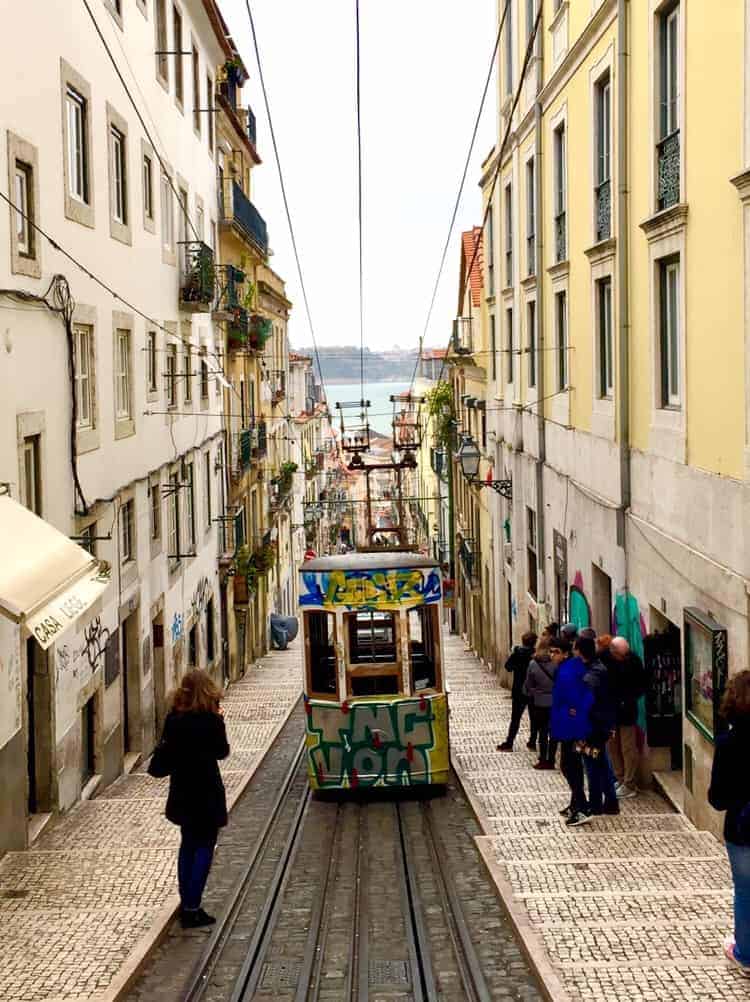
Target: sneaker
729 948
195 918
504 747
624 792
579 818
566 812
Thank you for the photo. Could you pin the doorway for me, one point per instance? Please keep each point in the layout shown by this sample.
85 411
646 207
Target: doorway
38 730
131 687
662 654
601 600
88 740
160 682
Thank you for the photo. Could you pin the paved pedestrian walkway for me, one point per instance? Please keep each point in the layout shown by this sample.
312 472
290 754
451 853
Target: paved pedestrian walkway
631 908
79 910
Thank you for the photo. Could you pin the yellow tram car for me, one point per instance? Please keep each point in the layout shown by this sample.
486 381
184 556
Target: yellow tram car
375 702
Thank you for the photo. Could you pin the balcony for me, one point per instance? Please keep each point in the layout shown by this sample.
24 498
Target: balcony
278 386
238 329
668 157
252 132
469 554
198 286
229 281
604 210
246 447
260 445
229 86
260 330
238 211
561 237
463 335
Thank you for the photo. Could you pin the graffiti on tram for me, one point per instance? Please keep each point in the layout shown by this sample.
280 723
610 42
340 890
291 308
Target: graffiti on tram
399 743
370 589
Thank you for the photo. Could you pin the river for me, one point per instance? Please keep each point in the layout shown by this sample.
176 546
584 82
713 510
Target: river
381 408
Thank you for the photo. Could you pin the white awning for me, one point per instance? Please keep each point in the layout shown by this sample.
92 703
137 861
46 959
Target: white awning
46 580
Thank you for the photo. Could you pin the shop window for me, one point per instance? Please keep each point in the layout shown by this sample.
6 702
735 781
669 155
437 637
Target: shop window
320 639
424 648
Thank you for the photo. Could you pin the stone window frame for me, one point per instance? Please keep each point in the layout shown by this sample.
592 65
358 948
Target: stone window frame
603 267
114 13
153 395
118 230
202 356
171 340
162 78
89 439
32 424
560 117
657 8
187 354
156 543
168 253
207 498
76 210
200 207
175 7
604 67
560 34
142 6
197 121
559 403
149 222
129 568
124 427
531 393
182 218
29 265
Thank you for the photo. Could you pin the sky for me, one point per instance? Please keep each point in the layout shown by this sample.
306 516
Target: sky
423 67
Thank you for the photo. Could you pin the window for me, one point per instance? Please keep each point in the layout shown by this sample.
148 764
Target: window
531 551
320 636
78 168
122 376
162 64
530 217
87 539
603 193
196 92
669 339
509 340
118 175
154 492
668 129
207 489
167 214
490 251
187 363
190 503
204 379
559 200
561 330
171 375
508 235
210 637
82 344
531 336
88 737
493 346
509 49
24 188
127 529
424 634
32 474
148 187
606 359
174 518
530 18
183 208
177 46
193 646
210 113
200 223
151 362
372 643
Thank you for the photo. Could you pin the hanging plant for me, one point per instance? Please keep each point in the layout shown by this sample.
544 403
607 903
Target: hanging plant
441 408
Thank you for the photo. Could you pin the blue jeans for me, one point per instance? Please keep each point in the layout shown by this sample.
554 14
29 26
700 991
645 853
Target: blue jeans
193 865
601 779
739 860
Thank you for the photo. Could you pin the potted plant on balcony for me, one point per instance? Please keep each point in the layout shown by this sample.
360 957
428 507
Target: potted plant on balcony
237 328
285 477
260 331
199 284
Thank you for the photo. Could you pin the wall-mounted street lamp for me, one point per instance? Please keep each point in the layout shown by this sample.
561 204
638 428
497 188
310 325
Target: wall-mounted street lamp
468 455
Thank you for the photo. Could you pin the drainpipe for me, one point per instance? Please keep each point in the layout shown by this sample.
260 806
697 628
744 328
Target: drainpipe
541 548
623 274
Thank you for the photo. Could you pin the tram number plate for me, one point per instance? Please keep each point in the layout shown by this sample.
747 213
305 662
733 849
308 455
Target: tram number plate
389 972
283 975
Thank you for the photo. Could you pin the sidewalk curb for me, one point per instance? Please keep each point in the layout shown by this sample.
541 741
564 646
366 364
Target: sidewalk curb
150 940
531 942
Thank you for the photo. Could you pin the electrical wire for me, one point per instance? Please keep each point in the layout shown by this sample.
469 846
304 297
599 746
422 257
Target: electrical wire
359 209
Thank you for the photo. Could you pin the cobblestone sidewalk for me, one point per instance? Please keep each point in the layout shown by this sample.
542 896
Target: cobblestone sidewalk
79 909
631 908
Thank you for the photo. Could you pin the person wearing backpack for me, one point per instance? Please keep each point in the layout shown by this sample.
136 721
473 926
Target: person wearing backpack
193 741
730 791
540 679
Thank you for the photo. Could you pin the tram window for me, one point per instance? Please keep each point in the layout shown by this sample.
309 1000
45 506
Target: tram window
372 638
424 648
321 654
374 685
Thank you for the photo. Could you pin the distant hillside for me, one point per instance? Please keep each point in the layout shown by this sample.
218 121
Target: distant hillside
341 364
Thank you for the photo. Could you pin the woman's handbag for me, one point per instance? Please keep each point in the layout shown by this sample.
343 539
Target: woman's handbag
161 761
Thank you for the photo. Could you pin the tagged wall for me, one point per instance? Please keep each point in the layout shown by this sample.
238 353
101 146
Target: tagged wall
10 681
401 742
371 589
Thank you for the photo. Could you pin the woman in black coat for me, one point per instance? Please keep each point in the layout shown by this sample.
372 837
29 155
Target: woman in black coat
193 741
730 792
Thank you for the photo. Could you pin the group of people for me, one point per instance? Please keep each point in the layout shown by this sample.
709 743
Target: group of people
581 692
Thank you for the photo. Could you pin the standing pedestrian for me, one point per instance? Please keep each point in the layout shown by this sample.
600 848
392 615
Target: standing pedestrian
571 701
540 679
730 791
551 630
601 780
629 679
193 741
518 664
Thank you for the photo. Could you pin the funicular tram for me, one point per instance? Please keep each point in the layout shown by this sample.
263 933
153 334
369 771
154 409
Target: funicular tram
375 702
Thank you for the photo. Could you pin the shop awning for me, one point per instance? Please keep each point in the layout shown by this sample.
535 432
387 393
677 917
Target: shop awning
46 580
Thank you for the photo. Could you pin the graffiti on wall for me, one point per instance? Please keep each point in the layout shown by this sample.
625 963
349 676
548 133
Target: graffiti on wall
398 743
371 589
200 597
177 627
81 662
10 681
579 611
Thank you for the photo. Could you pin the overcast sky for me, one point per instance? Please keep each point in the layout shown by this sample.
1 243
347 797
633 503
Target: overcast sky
423 68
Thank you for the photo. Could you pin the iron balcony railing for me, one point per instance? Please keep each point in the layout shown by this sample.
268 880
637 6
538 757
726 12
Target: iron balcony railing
261 448
236 208
229 291
246 447
463 335
238 328
469 554
604 210
198 286
252 128
668 155
228 87
561 237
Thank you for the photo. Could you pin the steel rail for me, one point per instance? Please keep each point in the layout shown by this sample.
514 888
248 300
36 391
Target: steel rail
206 963
424 988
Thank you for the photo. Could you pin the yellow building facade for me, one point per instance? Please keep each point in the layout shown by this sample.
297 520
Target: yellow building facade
618 396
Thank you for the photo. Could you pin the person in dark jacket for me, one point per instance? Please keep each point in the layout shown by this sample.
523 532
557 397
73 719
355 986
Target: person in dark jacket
629 681
518 664
538 690
195 739
730 791
602 718
572 699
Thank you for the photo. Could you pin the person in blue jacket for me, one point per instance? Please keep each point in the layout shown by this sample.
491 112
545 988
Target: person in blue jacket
730 791
602 725
572 700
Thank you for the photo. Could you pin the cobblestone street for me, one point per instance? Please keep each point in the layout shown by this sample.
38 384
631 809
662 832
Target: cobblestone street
630 908
97 888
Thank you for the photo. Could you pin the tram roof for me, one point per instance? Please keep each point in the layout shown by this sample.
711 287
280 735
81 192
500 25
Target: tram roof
368 562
